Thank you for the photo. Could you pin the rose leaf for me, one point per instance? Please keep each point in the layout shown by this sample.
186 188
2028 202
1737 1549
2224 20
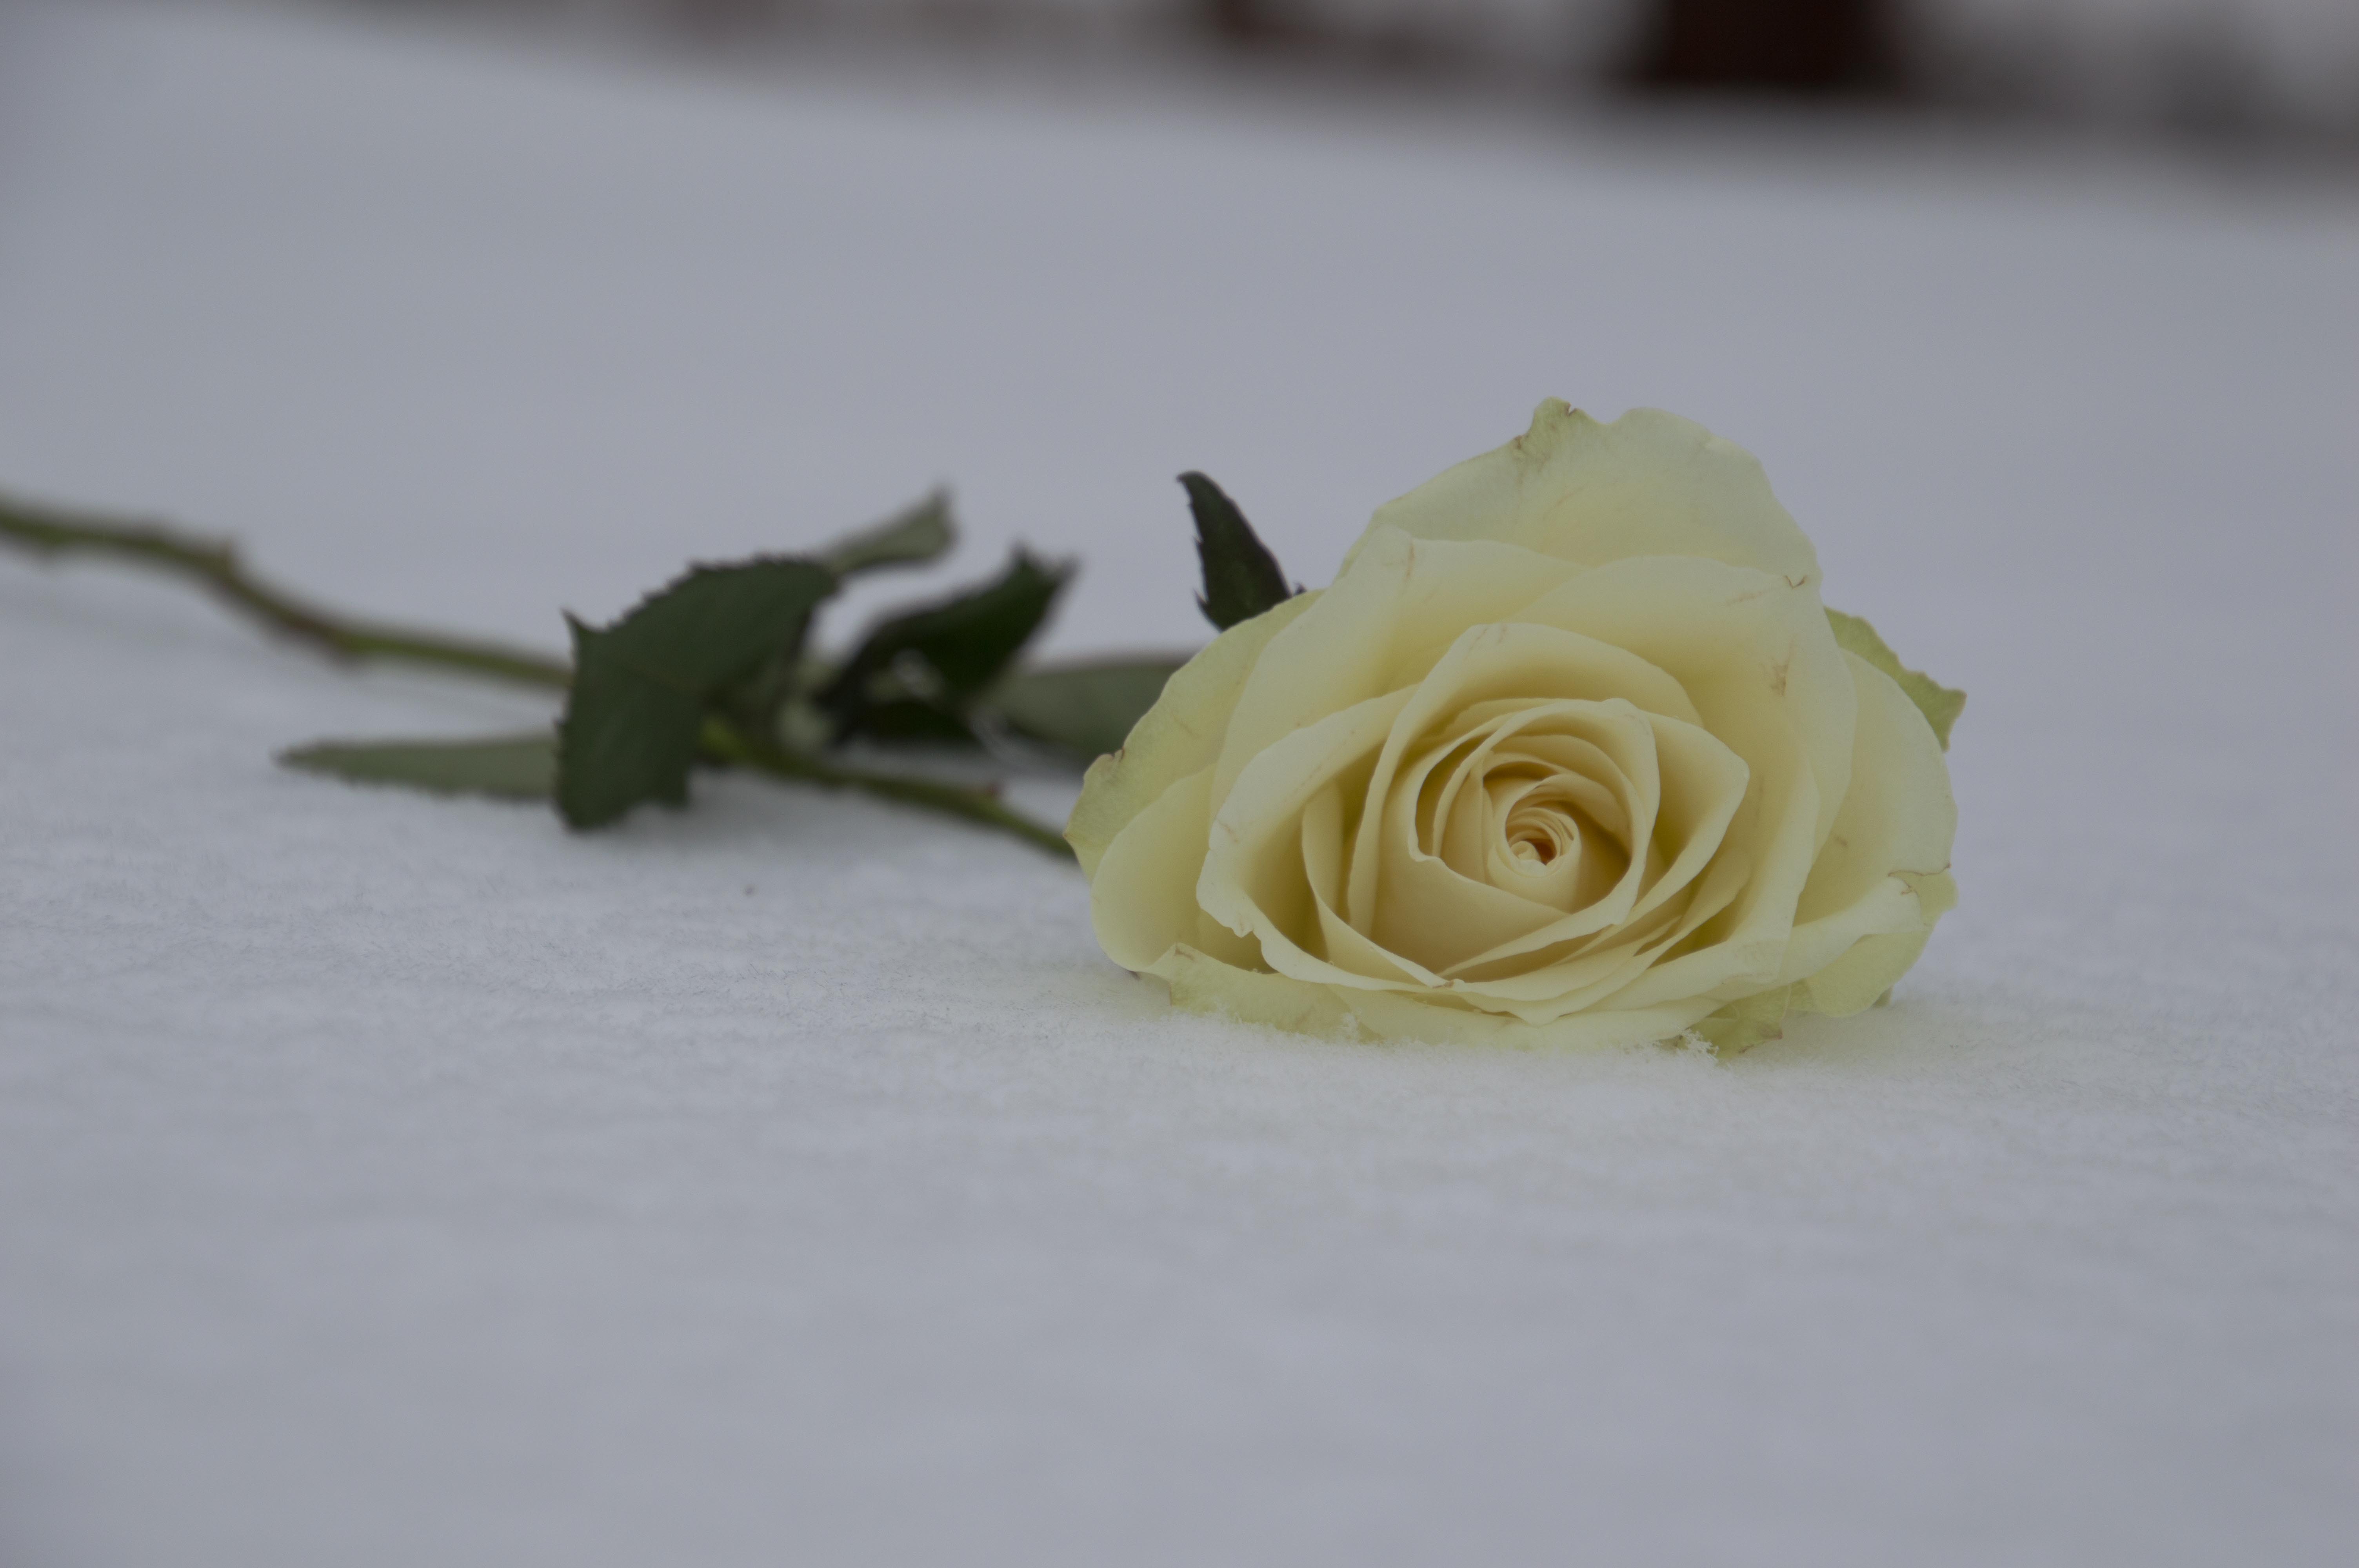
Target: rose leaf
941 657
642 686
1242 578
911 538
509 767
1087 708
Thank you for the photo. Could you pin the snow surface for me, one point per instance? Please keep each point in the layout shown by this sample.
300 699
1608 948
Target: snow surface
386 1180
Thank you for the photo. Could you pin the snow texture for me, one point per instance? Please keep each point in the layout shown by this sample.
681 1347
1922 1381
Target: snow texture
386 1180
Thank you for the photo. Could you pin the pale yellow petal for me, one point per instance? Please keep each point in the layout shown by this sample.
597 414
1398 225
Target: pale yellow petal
1389 1015
1601 976
1758 659
1863 974
1202 984
1388 618
1898 816
1419 905
1763 862
1704 785
1142 898
1753 652
1255 881
1322 866
1179 734
1650 484
1536 655
1476 911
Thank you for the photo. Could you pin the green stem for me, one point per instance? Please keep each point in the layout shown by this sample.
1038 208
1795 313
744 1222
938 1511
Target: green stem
54 530
723 742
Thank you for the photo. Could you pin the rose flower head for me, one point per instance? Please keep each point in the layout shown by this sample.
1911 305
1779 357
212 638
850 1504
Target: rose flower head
1569 754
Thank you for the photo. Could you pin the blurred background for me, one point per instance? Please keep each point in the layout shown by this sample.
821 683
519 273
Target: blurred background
2282 70
601 284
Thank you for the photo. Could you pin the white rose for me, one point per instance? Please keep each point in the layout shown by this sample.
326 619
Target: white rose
1569 754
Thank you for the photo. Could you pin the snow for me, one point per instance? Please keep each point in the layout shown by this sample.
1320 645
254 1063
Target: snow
391 1181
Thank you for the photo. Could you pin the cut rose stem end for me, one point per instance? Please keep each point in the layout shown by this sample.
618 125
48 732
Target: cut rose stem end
214 564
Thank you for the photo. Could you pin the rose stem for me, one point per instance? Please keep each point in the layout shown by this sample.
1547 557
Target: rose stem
725 743
45 530
214 564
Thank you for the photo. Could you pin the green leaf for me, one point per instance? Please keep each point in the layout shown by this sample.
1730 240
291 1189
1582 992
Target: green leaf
511 767
908 721
717 623
1241 577
945 654
641 686
915 535
1940 704
1087 708
626 736
912 537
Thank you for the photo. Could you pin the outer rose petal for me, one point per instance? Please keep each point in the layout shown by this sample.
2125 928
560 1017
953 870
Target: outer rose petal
1179 734
1650 484
1860 978
1142 898
1896 825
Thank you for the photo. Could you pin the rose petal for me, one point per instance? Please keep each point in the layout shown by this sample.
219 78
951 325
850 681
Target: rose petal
1898 817
1181 733
1865 973
1201 983
1144 899
1756 657
1650 484
1255 881
1531 657
1380 628
1323 865
1754 653
1589 980
1419 905
1702 788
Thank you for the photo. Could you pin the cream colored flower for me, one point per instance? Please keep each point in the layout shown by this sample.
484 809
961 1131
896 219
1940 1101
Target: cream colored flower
1571 753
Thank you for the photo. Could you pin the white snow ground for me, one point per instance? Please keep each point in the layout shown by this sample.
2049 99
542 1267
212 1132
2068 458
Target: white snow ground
387 1182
